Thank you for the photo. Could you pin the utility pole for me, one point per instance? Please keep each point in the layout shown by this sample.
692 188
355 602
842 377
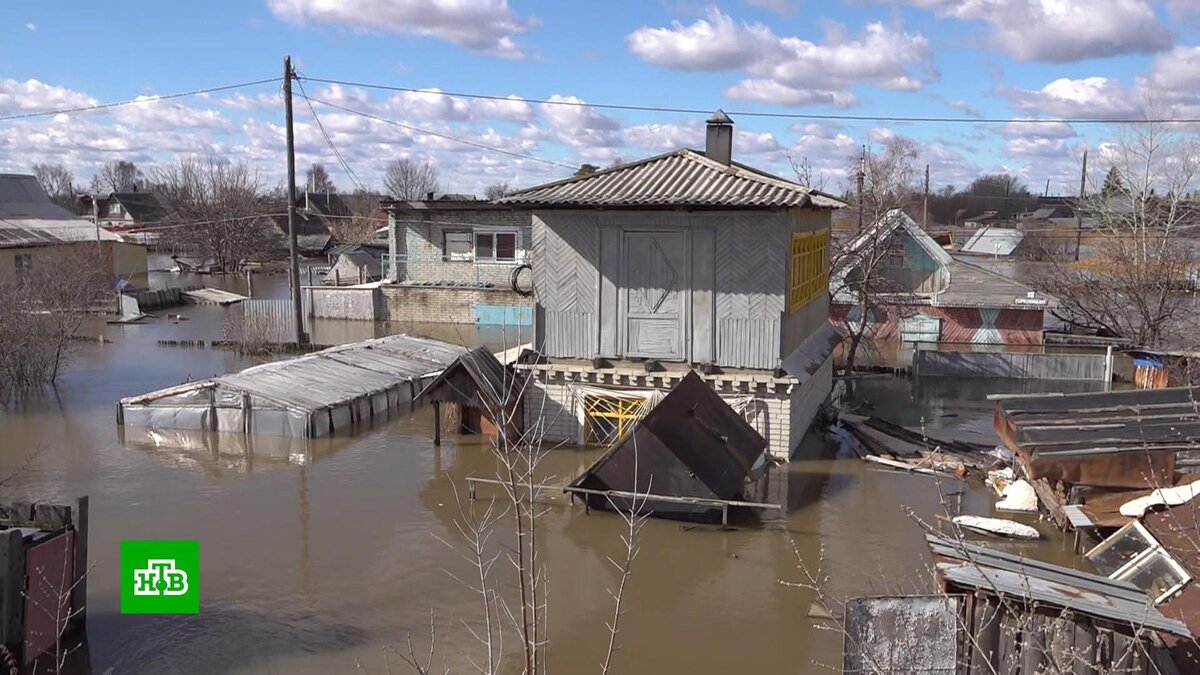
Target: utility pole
1079 207
1007 186
862 175
293 262
925 204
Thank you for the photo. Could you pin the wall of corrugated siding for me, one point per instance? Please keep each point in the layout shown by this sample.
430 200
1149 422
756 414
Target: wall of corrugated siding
798 325
807 399
738 281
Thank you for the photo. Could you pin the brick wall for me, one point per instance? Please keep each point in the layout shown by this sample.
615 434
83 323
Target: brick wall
423 244
431 304
552 403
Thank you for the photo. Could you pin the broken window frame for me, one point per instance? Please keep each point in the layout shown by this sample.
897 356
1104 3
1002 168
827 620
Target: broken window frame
618 412
1141 560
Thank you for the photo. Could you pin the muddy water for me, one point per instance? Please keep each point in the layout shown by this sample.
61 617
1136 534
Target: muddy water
314 565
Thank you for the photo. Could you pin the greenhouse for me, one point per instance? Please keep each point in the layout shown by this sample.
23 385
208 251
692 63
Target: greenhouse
310 396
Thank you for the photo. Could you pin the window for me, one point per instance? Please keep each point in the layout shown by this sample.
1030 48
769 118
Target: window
480 246
114 209
1132 554
498 246
457 246
24 264
606 419
810 268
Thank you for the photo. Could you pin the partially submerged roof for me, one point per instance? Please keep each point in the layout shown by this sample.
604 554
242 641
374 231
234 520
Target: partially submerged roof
973 285
676 179
985 570
892 222
692 444
1112 439
994 241
330 377
476 379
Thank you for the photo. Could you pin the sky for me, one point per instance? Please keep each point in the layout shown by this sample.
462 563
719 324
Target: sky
966 60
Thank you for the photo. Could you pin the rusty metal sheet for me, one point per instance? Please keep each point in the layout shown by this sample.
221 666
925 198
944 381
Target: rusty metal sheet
49 577
902 634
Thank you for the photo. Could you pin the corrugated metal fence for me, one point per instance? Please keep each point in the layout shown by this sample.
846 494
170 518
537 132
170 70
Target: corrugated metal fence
270 319
1085 367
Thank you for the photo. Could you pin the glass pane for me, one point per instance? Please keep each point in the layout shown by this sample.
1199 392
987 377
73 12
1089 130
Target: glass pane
506 246
1118 550
458 246
1155 575
483 246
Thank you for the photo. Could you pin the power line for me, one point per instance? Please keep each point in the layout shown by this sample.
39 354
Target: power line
337 154
116 104
448 137
758 113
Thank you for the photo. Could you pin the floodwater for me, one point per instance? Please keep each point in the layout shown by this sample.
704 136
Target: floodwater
315 565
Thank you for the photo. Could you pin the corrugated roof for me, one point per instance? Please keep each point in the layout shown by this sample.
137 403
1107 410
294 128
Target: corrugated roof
994 241
145 207
331 377
29 218
993 571
680 178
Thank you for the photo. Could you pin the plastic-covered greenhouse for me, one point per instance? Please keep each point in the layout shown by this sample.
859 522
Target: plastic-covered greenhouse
309 396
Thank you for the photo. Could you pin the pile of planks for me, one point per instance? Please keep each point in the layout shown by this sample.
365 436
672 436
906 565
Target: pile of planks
881 442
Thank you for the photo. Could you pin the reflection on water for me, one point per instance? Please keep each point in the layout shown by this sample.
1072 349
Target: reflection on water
315 555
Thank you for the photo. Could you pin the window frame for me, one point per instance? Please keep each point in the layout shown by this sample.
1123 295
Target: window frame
808 273
447 256
1153 550
494 234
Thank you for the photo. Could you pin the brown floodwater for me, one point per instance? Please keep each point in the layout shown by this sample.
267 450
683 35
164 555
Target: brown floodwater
314 563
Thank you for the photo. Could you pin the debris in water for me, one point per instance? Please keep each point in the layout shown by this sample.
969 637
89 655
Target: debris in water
996 526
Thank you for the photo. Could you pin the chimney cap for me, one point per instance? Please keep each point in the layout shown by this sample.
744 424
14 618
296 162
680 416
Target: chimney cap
719 117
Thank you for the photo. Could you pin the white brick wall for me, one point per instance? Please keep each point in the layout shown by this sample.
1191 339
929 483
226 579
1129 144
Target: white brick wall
552 402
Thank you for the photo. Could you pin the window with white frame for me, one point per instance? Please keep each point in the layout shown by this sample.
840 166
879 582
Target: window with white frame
1133 554
458 246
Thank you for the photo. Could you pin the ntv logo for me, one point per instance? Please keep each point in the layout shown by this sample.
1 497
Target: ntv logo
160 577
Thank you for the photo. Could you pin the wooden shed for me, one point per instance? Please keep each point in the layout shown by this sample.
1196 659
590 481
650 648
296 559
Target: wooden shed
486 393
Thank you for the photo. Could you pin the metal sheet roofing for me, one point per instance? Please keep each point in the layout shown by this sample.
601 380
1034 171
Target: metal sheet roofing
994 241
29 218
993 571
680 178
331 377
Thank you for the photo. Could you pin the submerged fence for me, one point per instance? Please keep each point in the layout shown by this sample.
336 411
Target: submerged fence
1082 367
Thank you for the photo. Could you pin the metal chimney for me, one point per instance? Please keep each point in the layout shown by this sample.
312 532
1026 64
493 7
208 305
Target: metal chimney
718 141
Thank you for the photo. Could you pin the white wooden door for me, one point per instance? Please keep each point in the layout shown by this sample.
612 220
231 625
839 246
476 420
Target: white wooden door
655 290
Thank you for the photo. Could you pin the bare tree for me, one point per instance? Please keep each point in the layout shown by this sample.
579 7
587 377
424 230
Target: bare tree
118 176
1133 285
216 211
365 217
497 190
410 179
58 182
46 305
806 174
317 179
862 268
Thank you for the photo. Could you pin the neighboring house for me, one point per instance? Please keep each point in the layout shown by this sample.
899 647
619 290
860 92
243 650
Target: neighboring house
923 294
134 214
452 259
644 270
31 226
985 218
355 264
313 236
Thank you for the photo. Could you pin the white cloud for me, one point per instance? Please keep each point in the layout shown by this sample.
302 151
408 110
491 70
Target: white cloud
152 114
1028 128
965 107
261 101
659 138
1176 72
31 27
790 70
434 105
486 26
580 127
1050 148
1090 97
35 96
1059 31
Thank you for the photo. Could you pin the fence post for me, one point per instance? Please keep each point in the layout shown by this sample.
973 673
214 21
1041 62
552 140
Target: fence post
79 521
1108 368
12 605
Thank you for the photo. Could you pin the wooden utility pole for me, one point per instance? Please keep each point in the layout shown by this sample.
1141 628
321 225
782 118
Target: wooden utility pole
862 175
293 261
1079 207
925 204
1007 186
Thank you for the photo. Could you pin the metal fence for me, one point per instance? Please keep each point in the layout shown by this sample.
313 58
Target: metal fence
1080 367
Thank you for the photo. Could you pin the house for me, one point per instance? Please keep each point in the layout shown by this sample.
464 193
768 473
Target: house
483 392
313 235
32 226
686 259
923 294
993 241
355 264
454 259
